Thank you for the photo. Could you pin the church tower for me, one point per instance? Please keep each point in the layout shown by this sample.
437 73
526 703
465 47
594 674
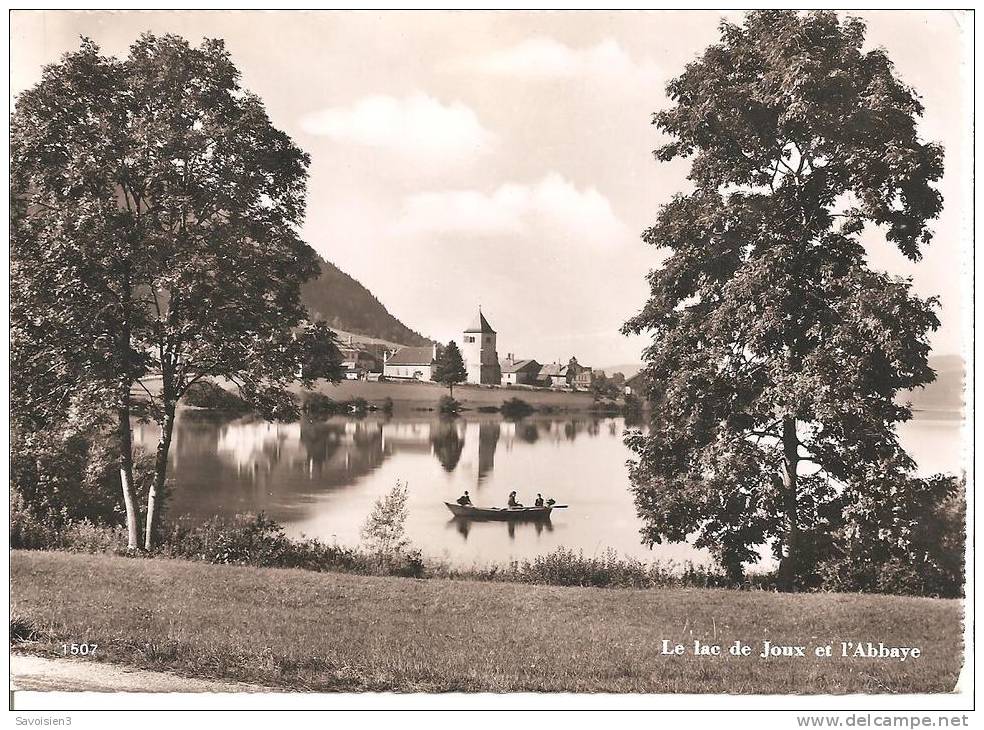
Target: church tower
478 352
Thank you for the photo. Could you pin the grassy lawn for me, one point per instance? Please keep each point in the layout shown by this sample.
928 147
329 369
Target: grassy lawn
408 395
318 631
425 394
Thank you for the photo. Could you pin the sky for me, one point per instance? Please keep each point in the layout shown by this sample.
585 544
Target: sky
504 159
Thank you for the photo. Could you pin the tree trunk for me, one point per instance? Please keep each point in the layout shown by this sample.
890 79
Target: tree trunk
126 473
156 496
451 389
790 452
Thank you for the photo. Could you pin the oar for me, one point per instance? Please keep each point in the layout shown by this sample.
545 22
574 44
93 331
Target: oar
558 506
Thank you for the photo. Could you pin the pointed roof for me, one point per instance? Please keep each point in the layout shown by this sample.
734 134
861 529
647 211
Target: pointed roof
481 325
412 356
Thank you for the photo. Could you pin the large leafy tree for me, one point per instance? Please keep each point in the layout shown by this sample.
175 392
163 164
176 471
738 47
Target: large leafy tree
155 211
449 368
777 351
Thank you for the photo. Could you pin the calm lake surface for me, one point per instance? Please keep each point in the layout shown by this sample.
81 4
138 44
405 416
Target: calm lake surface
320 478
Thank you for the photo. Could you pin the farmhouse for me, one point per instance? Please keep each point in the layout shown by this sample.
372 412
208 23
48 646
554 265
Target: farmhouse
519 372
357 363
573 375
411 363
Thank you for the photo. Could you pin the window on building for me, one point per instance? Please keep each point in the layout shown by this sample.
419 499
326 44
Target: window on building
469 339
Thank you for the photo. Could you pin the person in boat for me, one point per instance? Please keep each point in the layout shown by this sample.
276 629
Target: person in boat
512 500
551 502
464 500
539 500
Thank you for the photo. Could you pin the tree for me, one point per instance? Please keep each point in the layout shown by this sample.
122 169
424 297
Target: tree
605 388
154 215
384 531
776 350
320 355
450 367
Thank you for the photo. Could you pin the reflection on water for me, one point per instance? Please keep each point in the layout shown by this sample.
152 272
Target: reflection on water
320 478
464 526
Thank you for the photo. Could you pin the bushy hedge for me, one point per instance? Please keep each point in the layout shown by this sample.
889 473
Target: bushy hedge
64 485
259 541
564 567
318 404
448 405
516 408
205 394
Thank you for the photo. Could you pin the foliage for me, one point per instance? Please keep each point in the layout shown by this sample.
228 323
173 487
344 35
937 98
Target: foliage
564 567
516 408
318 404
773 342
449 368
604 388
320 356
902 535
60 478
154 218
384 531
206 394
448 405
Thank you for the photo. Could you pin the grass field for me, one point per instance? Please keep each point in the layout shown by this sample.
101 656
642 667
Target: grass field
331 632
410 395
426 394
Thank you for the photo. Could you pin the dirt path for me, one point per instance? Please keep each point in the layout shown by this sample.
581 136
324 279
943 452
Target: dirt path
38 674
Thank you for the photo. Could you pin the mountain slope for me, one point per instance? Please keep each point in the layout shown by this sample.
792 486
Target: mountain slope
347 305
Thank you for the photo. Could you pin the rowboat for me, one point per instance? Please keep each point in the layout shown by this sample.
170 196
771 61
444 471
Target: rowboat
501 513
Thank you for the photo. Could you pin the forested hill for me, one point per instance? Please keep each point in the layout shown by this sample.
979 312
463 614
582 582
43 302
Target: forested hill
345 304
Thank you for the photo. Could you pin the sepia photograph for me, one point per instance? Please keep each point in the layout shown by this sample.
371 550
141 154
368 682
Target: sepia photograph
492 360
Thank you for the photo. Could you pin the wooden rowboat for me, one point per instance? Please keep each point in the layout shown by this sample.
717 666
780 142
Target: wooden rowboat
502 513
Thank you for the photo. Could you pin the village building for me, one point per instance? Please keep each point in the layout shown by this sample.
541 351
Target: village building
411 363
478 352
519 372
579 376
357 363
552 375
573 375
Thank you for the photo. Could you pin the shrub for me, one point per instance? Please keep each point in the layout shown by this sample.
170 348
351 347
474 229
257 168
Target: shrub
357 405
22 629
384 531
448 405
516 408
206 394
63 478
317 404
258 541
903 535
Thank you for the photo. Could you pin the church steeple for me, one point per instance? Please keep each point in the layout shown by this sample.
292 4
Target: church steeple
481 324
479 353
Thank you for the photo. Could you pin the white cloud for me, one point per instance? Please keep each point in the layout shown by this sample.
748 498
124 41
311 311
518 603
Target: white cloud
553 204
418 127
543 58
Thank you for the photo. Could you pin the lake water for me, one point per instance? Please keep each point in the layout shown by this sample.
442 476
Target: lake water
320 478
